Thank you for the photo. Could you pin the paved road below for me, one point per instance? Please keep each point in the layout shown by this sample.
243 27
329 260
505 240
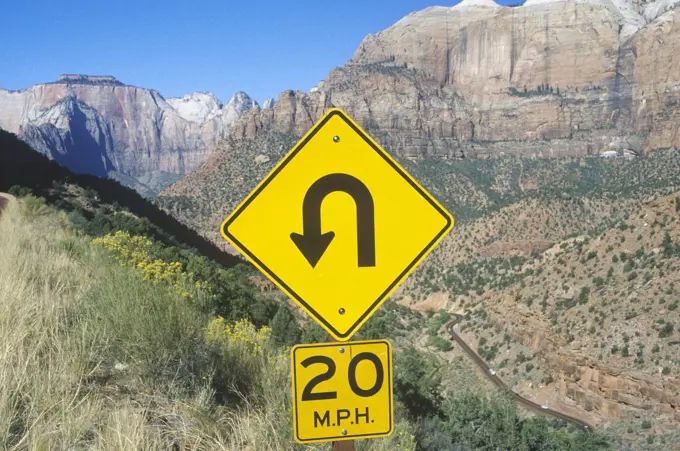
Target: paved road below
522 401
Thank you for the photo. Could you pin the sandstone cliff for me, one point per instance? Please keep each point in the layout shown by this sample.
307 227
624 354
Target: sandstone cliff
101 126
548 78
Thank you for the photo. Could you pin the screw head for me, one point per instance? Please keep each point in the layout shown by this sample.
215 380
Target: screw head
342 350
336 139
341 311
344 432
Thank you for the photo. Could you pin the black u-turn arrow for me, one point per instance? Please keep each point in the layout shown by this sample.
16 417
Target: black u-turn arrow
312 243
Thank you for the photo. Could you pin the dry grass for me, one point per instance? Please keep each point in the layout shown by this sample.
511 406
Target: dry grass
94 357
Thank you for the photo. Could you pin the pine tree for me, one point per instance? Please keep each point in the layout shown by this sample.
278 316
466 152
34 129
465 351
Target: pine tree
285 329
667 246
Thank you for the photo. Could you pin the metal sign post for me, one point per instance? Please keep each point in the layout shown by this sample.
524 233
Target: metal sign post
346 445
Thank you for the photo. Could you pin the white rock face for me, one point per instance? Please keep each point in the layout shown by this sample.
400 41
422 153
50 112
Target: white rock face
654 9
239 104
100 126
477 3
636 13
198 107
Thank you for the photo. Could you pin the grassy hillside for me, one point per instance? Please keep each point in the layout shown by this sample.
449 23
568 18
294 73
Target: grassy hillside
108 346
100 352
118 335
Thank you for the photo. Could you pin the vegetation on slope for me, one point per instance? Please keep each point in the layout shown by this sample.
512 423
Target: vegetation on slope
470 189
109 346
120 336
608 298
475 188
101 353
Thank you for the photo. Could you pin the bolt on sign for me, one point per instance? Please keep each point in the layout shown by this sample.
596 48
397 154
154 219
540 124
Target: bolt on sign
337 224
342 391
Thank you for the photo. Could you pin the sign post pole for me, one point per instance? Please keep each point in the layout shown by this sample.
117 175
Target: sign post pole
343 445
347 445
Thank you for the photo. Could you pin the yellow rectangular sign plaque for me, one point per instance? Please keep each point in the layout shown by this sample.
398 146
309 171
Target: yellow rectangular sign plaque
337 225
342 391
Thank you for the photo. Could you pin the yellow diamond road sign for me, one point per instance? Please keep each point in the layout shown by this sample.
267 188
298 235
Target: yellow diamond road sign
337 224
342 391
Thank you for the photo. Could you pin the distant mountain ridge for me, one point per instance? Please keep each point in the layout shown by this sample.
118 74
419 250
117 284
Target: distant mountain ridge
101 126
475 80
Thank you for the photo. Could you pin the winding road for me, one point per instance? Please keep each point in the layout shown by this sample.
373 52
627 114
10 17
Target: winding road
522 401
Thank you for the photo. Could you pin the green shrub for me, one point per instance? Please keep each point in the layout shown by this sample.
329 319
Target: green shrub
472 421
19 191
417 383
666 330
285 328
439 343
32 206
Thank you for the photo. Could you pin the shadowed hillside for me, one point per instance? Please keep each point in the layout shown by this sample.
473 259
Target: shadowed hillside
22 166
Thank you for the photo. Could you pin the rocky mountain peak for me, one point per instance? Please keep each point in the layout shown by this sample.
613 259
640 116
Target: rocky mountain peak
464 81
239 104
241 100
202 107
98 125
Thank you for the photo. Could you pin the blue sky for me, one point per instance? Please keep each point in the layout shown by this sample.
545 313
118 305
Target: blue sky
179 47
